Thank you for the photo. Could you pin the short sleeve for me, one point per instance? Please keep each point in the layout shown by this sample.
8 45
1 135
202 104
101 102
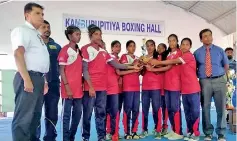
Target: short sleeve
186 58
123 59
225 60
63 56
109 57
85 54
19 37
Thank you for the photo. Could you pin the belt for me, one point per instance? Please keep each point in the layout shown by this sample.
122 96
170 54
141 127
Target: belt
36 73
214 77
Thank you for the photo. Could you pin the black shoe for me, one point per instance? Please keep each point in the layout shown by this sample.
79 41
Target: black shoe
85 139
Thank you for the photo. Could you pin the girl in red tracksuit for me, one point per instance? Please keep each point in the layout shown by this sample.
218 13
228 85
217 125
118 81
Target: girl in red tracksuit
151 94
131 91
113 94
172 87
70 61
161 49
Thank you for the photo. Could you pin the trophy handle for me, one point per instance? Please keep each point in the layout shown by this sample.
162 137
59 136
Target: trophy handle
143 46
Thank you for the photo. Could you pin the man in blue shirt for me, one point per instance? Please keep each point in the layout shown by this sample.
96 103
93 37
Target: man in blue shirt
52 97
212 65
232 63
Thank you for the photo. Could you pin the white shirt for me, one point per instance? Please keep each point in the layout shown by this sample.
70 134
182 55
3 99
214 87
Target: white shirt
36 53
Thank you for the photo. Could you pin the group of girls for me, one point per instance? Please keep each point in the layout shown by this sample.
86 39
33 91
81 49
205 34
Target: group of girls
110 81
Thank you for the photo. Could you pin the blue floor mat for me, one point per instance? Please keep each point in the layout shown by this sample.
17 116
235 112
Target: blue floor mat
5 129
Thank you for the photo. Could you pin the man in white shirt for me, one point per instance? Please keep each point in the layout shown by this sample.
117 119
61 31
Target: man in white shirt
32 60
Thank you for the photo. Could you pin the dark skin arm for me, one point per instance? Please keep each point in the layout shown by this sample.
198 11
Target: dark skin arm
65 82
121 73
166 62
161 69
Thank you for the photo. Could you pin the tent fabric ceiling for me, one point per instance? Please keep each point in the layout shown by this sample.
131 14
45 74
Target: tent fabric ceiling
222 14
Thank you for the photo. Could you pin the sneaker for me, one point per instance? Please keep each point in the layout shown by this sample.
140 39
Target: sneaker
85 139
208 138
144 134
221 138
169 134
127 137
120 137
154 132
135 136
194 138
158 136
164 131
187 137
176 137
108 137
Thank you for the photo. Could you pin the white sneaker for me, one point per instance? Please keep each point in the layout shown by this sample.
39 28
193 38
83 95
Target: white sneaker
194 138
176 137
187 137
169 134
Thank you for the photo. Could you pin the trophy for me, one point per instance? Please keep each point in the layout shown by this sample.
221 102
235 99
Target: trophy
143 59
230 89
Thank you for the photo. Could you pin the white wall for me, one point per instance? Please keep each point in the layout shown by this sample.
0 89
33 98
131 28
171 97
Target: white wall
176 20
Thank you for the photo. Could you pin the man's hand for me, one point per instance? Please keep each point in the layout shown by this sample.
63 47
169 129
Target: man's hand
69 92
46 88
92 92
28 86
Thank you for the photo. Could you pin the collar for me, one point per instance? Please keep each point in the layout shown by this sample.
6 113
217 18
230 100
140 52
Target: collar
51 40
116 55
211 46
173 53
29 25
232 60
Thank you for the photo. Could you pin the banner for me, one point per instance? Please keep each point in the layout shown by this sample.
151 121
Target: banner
116 26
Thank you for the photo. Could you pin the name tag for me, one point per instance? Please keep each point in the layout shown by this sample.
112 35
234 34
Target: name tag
52 47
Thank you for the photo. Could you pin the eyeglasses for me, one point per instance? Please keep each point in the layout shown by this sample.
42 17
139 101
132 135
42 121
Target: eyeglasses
41 40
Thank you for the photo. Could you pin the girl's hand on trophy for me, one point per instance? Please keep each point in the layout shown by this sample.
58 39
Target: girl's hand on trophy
153 62
136 67
149 67
136 70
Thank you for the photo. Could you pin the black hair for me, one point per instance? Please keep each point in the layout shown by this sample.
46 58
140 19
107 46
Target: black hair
204 31
46 22
114 43
228 49
69 31
92 29
29 7
155 53
169 49
187 39
129 42
165 53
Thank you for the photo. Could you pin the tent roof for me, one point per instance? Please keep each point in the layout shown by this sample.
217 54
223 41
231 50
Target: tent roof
222 14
